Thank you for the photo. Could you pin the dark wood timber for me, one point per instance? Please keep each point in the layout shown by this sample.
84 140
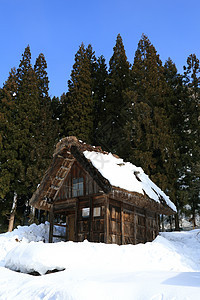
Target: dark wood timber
106 220
51 221
90 220
75 225
122 223
134 225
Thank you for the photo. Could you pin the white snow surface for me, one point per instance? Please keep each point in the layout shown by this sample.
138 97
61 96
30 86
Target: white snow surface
167 268
124 175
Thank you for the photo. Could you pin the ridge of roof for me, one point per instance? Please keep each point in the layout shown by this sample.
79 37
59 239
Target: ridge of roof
68 142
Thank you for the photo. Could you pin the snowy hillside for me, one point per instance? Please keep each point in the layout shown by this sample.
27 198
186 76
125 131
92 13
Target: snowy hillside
167 268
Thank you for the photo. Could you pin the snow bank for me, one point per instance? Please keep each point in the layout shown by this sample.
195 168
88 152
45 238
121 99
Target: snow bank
24 235
126 176
169 252
167 268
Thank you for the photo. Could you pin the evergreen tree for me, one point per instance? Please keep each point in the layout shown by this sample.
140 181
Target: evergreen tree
150 134
47 128
192 133
64 114
10 165
58 115
176 97
80 101
42 77
100 94
115 107
27 133
27 120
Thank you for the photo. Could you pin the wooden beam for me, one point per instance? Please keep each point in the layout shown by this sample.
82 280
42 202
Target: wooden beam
106 221
51 221
146 225
157 217
53 187
67 229
135 226
59 178
76 223
122 224
90 220
59 236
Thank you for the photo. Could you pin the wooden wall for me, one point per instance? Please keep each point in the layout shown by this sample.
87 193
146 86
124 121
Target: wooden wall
91 227
90 186
131 225
99 219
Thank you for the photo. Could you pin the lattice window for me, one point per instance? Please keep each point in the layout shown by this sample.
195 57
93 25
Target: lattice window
77 187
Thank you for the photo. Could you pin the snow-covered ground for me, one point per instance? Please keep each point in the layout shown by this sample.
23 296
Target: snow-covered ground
168 268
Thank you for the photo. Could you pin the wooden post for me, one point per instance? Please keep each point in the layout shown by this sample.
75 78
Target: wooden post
135 226
76 223
90 220
162 222
67 229
51 221
145 215
106 221
122 224
158 216
156 229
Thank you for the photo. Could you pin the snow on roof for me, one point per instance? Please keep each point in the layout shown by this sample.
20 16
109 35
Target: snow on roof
125 175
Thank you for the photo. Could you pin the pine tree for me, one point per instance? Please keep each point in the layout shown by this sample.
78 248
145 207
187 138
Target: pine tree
80 101
115 107
192 133
100 94
176 96
47 129
10 165
58 115
64 114
27 120
27 131
150 134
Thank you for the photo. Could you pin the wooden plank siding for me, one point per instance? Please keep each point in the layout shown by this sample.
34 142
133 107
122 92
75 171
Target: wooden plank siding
98 217
89 185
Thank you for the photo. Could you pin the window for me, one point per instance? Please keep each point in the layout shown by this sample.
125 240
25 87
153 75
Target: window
85 212
97 211
77 187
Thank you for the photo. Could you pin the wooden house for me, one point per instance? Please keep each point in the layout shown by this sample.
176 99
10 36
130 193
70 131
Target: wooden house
95 195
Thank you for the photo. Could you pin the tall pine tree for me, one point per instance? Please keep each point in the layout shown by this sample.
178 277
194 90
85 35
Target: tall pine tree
150 136
80 102
192 133
112 129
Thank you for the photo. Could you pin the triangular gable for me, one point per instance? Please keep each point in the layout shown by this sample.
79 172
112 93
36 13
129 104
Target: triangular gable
77 183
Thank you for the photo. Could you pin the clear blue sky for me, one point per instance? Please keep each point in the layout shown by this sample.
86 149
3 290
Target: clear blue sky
57 28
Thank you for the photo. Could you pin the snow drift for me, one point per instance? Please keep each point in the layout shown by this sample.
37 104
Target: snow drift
167 268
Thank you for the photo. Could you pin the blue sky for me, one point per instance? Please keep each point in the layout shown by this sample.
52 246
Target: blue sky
57 28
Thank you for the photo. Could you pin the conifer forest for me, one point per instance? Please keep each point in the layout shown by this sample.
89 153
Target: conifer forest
144 111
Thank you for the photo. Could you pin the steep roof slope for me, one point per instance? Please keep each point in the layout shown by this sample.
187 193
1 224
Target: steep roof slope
127 176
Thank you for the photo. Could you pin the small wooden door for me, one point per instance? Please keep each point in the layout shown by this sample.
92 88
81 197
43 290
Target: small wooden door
71 224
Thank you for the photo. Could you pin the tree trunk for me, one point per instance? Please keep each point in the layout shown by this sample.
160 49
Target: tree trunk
12 213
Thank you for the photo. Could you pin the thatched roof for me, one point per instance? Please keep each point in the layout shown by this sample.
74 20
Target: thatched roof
112 174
